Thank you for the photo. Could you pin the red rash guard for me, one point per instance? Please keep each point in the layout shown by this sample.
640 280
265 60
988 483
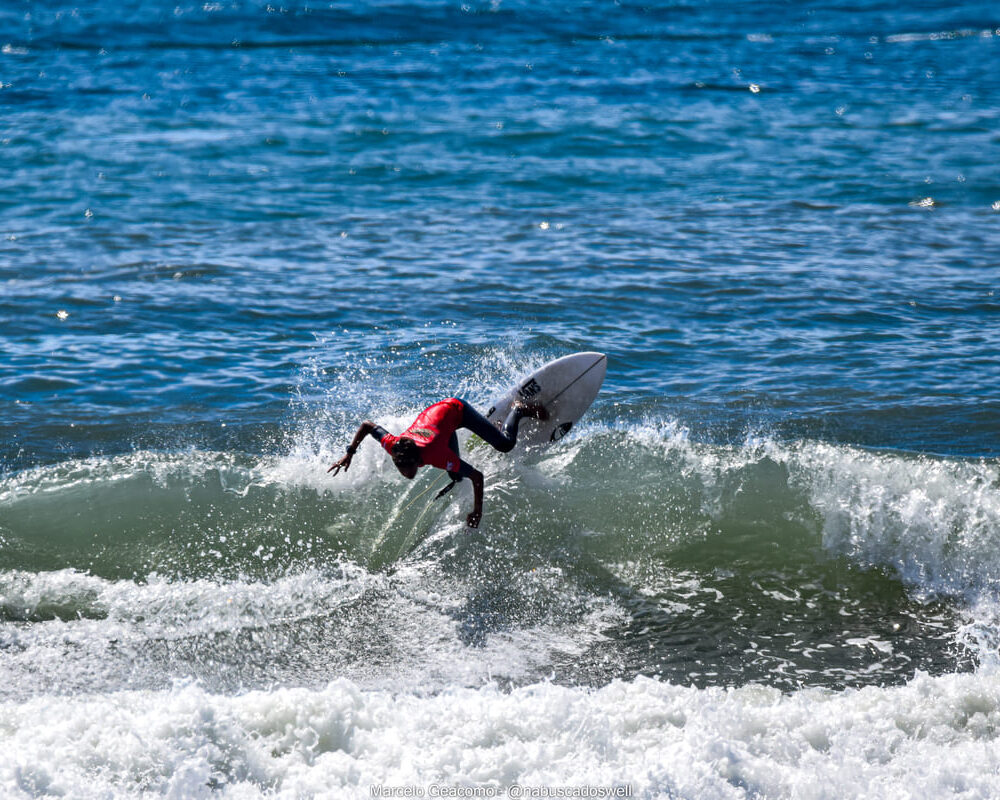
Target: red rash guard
431 431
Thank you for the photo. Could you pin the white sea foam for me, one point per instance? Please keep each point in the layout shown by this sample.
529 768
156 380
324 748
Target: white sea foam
934 737
160 606
407 632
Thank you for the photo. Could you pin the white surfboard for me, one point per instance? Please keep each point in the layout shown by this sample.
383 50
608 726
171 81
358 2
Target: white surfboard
566 387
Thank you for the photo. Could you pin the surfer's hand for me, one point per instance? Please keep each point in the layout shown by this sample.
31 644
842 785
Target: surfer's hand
344 463
473 519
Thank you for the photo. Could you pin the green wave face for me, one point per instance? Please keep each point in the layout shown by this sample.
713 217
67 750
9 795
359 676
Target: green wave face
615 554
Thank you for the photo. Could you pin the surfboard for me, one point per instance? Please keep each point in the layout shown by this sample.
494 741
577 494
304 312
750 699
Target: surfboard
566 387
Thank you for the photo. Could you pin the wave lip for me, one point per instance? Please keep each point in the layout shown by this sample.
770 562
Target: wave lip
935 521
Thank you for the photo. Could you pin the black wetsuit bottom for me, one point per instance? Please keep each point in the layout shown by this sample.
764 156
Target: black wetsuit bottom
502 439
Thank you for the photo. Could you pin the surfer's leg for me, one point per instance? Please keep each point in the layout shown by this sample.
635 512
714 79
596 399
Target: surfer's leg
503 439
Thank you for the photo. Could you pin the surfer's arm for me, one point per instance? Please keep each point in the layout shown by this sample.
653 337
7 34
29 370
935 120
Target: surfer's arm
364 429
477 491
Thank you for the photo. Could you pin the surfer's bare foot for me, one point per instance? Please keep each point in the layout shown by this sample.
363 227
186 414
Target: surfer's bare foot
533 410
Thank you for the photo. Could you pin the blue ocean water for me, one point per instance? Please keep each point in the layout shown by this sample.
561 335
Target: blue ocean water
764 565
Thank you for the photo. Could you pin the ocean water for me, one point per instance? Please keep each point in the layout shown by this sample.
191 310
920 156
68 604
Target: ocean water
765 565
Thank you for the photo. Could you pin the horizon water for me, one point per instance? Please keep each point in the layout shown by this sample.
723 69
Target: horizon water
764 564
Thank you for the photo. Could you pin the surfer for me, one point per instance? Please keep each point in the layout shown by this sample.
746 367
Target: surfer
431 440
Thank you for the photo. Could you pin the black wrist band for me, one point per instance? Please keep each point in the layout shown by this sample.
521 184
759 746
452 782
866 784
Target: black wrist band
351 450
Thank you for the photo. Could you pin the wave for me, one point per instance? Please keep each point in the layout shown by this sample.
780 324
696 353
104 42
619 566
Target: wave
640 492
624 551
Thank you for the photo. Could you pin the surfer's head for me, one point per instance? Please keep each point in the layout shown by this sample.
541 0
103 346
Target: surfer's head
406 456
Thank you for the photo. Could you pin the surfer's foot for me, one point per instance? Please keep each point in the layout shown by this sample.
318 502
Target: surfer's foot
532 410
